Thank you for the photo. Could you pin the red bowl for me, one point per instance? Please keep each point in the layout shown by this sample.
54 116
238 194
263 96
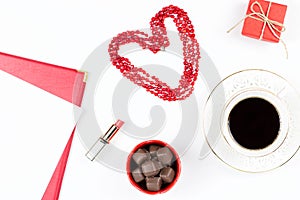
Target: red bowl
177 166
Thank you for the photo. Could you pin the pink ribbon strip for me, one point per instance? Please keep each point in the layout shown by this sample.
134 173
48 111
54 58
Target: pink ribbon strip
66 83
63 82
53 189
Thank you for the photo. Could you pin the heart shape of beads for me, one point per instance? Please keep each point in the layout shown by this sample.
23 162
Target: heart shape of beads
157 41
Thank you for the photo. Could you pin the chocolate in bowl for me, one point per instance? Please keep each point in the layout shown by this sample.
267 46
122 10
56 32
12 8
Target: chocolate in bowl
159 170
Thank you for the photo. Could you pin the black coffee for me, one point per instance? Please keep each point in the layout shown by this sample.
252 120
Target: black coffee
254 123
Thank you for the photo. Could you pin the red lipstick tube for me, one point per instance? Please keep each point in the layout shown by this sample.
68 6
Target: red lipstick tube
104 140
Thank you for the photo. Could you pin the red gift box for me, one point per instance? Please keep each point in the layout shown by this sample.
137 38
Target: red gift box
264 20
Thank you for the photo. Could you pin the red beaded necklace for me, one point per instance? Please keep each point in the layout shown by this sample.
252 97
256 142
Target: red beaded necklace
155 43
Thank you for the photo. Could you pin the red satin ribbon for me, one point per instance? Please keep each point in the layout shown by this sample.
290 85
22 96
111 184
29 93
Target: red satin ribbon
65 83
53 189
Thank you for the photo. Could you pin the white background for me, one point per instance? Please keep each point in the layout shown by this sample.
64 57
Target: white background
66 32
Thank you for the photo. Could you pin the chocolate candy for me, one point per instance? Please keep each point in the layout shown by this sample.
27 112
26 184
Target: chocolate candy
152 150
153 183
167 174
150 168
153 168
164 155
140 156
137 175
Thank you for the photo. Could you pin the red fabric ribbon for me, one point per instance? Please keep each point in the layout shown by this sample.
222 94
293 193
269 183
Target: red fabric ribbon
65 83
68 84
53 189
